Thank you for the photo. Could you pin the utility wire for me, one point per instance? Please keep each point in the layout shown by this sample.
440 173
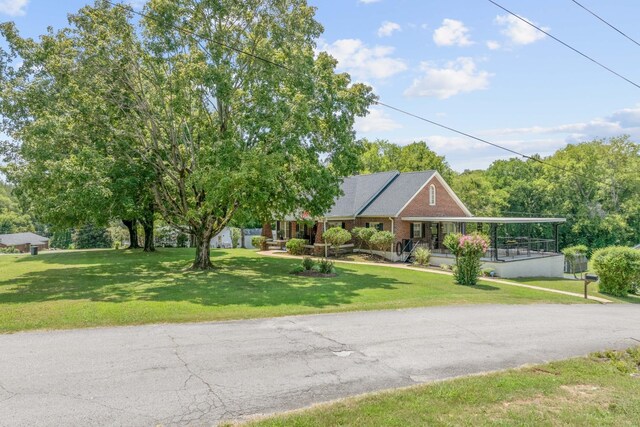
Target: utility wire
565 44
380 103
603 20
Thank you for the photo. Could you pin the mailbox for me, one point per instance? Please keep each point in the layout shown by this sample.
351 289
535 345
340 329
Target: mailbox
591 278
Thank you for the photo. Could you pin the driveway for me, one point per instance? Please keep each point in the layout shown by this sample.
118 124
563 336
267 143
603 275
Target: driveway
199 374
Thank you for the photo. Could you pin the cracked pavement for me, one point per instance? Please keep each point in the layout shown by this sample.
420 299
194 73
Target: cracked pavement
200 374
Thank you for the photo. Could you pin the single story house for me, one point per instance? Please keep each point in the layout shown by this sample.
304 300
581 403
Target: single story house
23 241
420 208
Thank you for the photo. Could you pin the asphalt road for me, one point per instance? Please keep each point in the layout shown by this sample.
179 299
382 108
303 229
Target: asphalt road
199 374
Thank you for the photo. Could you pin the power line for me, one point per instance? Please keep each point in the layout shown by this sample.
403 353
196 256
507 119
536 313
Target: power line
378 102
603 20
565 44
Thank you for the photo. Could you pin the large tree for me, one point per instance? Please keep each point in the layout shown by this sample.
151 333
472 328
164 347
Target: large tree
222 129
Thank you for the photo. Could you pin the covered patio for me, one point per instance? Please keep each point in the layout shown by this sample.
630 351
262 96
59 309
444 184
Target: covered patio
512 239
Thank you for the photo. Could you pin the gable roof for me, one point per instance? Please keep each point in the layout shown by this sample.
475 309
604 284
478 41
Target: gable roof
22 239
399 192
359 191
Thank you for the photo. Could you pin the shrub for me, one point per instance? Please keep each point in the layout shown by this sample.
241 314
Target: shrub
382 240
573 254
468 249
9 250
90 237
362 236
489 272
259 242
325 266
296 246
236 235
445 267
297 269
308 263
336 237
422 256
116 245
618 268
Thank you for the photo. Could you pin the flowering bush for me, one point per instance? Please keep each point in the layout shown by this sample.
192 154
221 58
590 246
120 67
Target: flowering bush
468 249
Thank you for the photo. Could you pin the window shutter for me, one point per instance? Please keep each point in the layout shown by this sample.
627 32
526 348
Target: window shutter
424 230
343 225
366 225
411 231
380 227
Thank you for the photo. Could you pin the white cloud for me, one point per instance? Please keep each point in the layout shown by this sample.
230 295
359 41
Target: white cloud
376 121
452 33
493 45
519 32
387 28
364 62
13 7
456 77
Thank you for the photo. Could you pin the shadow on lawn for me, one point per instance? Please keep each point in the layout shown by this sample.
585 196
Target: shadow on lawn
240 280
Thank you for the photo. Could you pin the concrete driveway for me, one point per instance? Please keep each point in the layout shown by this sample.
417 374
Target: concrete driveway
199 374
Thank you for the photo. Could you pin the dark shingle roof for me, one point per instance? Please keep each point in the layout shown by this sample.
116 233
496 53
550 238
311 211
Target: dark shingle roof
21 239
358 191
397 194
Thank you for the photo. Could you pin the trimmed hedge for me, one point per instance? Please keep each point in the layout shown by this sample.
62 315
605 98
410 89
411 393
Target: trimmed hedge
259 242
296 246
618 268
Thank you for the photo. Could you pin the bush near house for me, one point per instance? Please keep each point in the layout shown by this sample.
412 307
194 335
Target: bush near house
296 246
619 270
236 235
362 236
336 237
422 256
259 242
573 254
9 250
382 240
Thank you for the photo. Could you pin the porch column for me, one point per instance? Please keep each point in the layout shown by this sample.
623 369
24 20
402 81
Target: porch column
494 241
556 245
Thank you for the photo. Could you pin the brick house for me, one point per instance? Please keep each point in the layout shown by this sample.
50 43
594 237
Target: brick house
383 201
23 241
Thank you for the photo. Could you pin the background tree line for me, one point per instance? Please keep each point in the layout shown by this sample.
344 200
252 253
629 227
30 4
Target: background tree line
594 184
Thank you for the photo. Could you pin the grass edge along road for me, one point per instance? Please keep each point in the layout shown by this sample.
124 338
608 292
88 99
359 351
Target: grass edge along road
601 389
113 288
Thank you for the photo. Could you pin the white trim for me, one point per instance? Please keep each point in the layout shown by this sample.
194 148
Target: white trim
432 195
485 220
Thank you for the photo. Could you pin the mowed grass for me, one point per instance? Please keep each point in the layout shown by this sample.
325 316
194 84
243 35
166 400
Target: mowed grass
577 286
600 390
104 288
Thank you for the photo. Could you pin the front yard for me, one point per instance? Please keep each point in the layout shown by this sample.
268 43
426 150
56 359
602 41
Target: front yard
106 288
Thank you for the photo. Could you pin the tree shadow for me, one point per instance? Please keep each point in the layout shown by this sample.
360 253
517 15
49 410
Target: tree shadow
239 280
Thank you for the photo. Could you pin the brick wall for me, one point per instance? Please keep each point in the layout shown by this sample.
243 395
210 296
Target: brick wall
445 204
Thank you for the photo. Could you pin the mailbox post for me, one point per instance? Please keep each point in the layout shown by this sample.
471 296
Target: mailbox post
589 278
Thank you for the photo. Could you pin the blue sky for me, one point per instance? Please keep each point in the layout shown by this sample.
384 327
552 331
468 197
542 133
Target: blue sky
468 65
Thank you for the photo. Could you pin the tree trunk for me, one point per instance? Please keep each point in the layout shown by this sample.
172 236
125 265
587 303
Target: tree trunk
203 242
147 226
242 239
266 230
132 226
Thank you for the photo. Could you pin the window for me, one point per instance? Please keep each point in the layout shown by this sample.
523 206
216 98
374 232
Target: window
417 230
377 225
432 195
331 224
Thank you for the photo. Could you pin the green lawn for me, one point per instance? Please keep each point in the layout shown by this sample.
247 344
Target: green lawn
578 287
600 390
102 288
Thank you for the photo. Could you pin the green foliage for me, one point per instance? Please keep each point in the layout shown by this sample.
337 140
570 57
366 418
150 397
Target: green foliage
573 254
382 240
468 250
116 245
446 267
235 237
488 272
336 237
9 250
422 256
308 263
91 237
362 236
381 156
479 193
259 242
325 266
618 268
297 269
296 246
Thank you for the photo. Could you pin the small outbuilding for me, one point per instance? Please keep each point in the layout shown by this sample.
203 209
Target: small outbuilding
23 241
